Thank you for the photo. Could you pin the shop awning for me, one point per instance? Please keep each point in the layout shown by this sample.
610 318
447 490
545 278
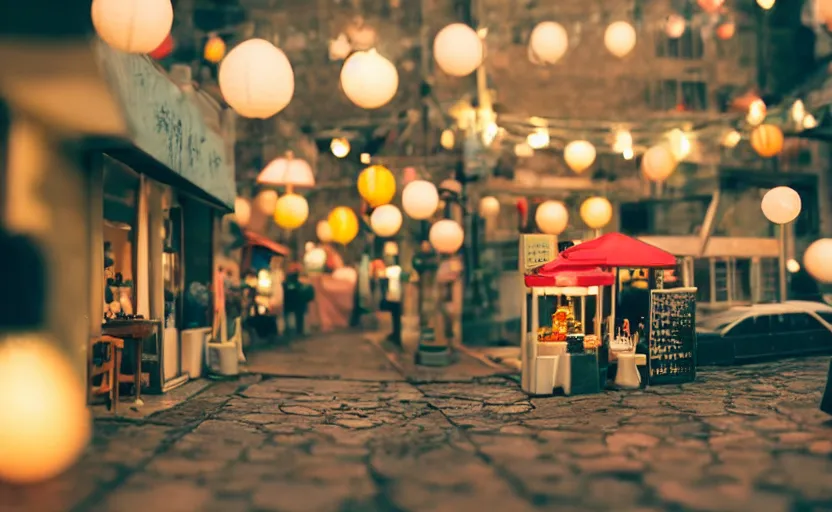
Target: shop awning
562 273
257 240
617 250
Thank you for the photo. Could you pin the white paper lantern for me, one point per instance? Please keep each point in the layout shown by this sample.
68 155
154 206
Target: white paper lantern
458 50
489 207
551 217
132 26
386 220
781 205
256 79
658 163
242 211
369 80
549 42
266 201
420 199
620 38
817 260
675 26
44 424
324 231
287 172
315 259
446 236
579 155
596 212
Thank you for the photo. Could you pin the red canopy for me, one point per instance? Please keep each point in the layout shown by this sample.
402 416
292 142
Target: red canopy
617 250
562 273
255 239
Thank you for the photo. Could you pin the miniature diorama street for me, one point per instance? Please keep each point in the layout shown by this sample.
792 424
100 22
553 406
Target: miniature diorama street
416 255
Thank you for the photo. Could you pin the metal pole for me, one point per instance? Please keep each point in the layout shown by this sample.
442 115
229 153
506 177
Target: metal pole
782 264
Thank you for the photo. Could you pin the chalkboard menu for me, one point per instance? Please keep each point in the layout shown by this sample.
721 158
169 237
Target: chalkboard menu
672 341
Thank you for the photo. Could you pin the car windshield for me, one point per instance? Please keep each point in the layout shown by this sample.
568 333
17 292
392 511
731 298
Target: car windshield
717 322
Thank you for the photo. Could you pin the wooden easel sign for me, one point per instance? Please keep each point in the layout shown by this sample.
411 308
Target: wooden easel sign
536 250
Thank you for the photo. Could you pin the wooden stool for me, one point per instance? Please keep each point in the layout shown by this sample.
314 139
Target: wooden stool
109 369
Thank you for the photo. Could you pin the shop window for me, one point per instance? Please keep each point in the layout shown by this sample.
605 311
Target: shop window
689 46
172 268
741 280
121 194
686 96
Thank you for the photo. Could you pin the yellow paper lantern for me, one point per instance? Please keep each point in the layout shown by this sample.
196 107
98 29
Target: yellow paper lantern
767 140
44 424
132 26
256 79
551 217
781 205
377 185
596 212
816 260
658 163
214 49
344 225
324 231
291 211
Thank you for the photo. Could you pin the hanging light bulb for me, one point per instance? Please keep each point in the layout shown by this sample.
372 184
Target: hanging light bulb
756 112
766 4
679 144
627 154
731 139
809 122
798 112
340 147
538 139
365 158
623 141
489 133
448 139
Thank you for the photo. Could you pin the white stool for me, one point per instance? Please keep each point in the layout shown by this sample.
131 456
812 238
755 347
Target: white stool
627 375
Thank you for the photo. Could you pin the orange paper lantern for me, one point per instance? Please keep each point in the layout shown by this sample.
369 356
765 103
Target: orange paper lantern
214 49
767 140
711 6
726 30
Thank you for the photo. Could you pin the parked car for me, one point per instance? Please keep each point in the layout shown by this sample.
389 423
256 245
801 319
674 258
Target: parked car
764 331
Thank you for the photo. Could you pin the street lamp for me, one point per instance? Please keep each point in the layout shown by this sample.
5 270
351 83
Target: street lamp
781 205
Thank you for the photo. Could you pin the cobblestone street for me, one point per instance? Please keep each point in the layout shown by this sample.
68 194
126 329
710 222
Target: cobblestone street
337 426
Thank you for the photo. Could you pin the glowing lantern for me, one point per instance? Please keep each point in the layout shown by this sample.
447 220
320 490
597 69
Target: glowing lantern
446 236
679 144
675 26
767 140
343 224
242 211
420 199
458 50
766 4
266 201
816 260
548 42
45 424
291 211
287 172
132 26
340 147
214 49
596 212
376 185
711 6
781 205
489 207
164 49
731 139
369 80
658 163
579 155
620 38
551 217
386 220
315 259
726 30
538 139
756 112
792 266
256 79
447 139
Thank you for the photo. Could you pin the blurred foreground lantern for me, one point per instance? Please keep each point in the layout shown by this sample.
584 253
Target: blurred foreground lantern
420 199
376 185
548 42
266 201
256 79
214 49
458 50
343 224
324 231
579 155
781 205
596 212
446 236
291 211
132 26
675 26
551 217
242 211
369 80
386 220
817 260
44 424
658 163
767 140
620 38
489 207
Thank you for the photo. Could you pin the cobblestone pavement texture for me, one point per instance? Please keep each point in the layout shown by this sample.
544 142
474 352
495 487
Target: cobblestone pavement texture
352 434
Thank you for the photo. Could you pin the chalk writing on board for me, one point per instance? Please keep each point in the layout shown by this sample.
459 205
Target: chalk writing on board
672 340
536 250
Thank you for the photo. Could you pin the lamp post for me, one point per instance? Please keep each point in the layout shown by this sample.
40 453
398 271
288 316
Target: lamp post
781 205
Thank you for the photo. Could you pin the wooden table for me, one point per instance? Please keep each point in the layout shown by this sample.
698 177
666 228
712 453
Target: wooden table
133 332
